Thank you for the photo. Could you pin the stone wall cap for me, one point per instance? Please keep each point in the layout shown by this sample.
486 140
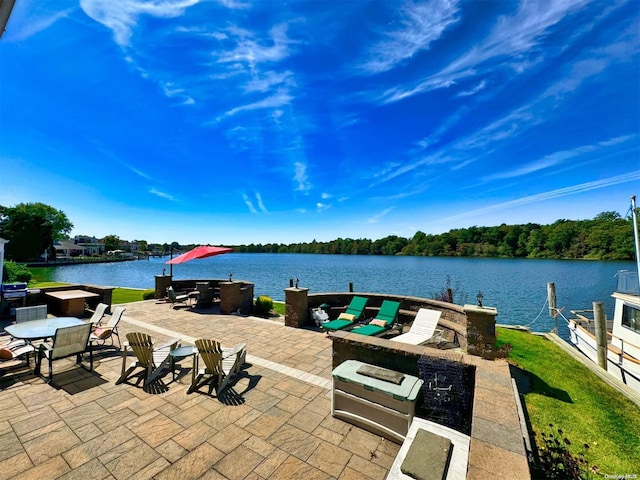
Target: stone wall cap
483 310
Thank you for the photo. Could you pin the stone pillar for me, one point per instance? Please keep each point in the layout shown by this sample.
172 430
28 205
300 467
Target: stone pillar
162 283
246 298
230 297
296 312
481 328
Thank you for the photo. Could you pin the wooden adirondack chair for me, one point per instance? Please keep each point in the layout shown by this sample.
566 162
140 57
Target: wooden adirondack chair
220 364
151 359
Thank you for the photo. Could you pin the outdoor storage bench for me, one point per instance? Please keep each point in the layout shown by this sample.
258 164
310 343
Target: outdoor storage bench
376 399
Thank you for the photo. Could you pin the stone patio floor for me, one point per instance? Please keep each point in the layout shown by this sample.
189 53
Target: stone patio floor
274 421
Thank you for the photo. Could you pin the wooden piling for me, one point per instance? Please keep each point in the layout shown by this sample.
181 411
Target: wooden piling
601 333
551 300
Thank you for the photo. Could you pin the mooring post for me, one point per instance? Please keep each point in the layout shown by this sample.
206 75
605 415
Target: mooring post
551 299
350 287
601 333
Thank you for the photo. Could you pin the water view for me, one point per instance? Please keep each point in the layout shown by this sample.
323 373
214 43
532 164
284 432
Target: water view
516 287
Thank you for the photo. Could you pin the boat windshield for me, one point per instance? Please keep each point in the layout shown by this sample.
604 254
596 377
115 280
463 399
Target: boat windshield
628 282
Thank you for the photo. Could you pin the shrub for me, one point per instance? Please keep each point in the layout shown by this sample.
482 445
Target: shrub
149 294
14 272
263 306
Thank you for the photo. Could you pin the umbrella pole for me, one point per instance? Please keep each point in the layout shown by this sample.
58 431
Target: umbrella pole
171 264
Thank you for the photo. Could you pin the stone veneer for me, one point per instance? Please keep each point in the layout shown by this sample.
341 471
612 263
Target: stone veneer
462 325
497 448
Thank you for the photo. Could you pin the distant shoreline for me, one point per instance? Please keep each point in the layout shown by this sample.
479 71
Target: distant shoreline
61 263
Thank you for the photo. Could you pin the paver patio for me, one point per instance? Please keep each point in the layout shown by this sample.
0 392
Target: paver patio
274 421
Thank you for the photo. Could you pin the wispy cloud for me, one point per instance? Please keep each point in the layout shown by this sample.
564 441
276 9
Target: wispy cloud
379 216
557 158
250 51
35 25
561 192
158 193
249 203
474 90
420 25
300 177
261 203
280 99
121 16
513 39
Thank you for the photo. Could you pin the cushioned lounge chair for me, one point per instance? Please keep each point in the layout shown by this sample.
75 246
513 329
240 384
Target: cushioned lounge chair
101 333
98 314
423 329
383 321
16 349
174 298
352 314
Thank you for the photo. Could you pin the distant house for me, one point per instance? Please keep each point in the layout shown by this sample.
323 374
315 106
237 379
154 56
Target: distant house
92 245
68 249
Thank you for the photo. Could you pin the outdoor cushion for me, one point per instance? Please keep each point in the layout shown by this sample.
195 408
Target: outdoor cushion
369 330
5 353
336 324
428 456
102 333
347 316
378 322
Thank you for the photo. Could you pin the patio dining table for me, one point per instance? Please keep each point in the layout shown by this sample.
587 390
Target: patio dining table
41 329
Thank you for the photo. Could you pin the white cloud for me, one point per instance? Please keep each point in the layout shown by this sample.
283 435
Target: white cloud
249 203
249 51
421 24
514 39
158 193
121 16
561 192
300 177
261 203
34 25
267 81
377 217
474 90
280 99
557 158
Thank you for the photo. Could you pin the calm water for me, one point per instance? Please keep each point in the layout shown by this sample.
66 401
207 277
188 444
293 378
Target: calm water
517 288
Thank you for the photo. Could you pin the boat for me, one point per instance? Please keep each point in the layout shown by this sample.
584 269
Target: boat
623 331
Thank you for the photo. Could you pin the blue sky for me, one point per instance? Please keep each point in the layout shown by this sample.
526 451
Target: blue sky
232 121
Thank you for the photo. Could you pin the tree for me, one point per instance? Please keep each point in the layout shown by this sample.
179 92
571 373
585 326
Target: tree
31 229
111 242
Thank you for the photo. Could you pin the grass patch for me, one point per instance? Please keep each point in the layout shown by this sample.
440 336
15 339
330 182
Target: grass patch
46 284
567 395
120 295
279 307
126 295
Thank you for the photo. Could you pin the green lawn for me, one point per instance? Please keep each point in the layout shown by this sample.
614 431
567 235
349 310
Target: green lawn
565 393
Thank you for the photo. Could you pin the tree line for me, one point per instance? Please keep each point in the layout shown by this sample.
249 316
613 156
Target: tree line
32 229
606 237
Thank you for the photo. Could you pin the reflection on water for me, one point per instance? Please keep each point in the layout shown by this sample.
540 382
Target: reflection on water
517 288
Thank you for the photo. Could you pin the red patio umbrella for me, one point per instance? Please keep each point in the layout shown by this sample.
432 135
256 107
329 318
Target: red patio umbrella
203 251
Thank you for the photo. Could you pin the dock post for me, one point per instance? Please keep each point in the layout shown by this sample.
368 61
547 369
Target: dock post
601 333
551 299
